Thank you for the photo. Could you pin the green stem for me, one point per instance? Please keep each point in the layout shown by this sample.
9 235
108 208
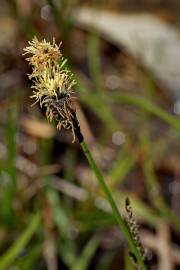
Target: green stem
8 258
121 222
148 106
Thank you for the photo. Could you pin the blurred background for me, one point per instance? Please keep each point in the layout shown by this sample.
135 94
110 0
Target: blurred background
126 59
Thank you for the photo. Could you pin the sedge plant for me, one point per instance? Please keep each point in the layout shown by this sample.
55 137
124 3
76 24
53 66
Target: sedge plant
53 90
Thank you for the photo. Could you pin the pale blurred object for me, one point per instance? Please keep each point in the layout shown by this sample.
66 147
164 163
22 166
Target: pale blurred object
46 13
113 82
177 107
118 138
152 41
37 128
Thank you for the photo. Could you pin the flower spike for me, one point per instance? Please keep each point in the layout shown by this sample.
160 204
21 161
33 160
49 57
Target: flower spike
52 84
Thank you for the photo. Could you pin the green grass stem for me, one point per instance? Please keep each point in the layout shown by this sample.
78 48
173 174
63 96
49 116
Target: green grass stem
7 259
121 222
148 106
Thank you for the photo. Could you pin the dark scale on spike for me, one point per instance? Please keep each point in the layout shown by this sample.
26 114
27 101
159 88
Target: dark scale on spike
133 257
61 110
133 227
46 50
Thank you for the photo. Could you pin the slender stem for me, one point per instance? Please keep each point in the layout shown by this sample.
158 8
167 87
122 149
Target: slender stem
121 222
148 106
8 258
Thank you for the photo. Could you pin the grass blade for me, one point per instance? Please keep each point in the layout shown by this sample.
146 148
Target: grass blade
119 219
148 106
7 259
86 256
